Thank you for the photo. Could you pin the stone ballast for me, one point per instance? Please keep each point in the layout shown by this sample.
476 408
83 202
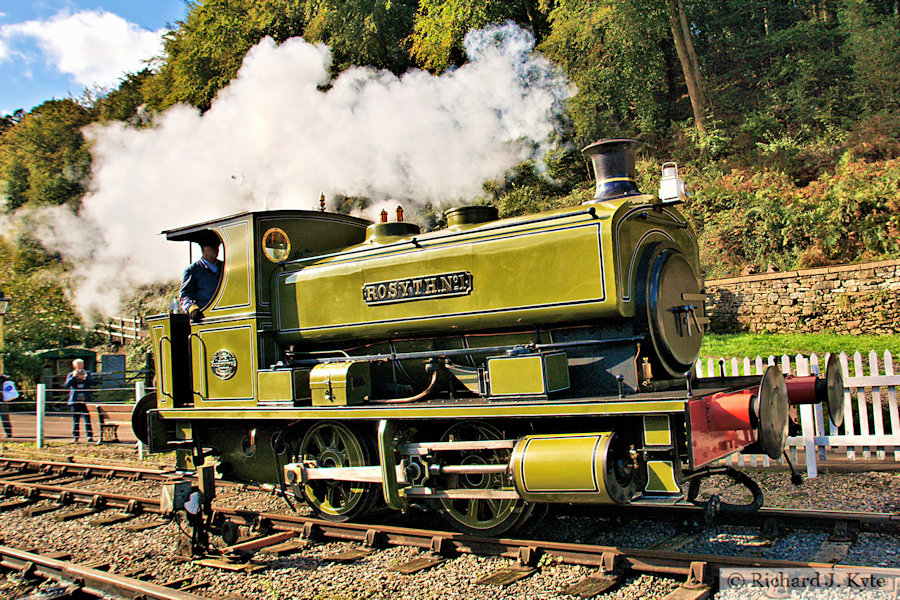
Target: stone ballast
848 299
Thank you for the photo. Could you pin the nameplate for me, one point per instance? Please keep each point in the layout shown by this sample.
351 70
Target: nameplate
418 288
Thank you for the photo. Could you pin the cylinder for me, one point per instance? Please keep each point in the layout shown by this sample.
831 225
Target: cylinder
577 467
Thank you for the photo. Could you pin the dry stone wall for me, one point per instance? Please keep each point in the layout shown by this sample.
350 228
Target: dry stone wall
849 299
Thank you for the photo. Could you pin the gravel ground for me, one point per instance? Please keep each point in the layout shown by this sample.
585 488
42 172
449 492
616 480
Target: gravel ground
308 575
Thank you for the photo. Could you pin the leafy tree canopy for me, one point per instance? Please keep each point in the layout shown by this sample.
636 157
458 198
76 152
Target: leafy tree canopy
44 159
441 25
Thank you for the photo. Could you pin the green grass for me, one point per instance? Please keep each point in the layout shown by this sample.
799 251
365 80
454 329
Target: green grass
761 344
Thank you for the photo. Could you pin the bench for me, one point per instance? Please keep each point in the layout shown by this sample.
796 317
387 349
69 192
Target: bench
111 417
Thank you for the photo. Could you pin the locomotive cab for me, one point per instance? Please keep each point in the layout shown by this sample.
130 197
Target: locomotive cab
234 342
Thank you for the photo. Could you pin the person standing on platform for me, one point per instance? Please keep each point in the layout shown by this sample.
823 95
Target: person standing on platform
10 393
79 383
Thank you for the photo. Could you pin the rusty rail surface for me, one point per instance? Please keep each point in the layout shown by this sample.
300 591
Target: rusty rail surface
85 580
767 518
696 567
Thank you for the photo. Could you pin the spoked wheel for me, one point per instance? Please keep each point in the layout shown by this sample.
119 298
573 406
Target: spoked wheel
481 516
332 444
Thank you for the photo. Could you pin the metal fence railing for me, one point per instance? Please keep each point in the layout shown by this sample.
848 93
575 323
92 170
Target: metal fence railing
106 418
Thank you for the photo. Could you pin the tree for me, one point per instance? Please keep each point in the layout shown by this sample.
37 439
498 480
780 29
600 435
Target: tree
441 25
372 33
873 44
690 66
122 103
40 314
618 53
44 159
204 52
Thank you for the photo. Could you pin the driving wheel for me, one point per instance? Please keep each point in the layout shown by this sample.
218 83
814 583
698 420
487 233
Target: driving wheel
484 516
333 445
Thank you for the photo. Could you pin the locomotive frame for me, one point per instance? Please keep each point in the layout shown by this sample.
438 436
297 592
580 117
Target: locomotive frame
362 363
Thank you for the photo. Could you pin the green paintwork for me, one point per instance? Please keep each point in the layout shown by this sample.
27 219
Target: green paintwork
324 300
530 374
587 270
661 478
591 259
539 478
340 384
633 234
238 319
238 337
161 337
274 385
656 430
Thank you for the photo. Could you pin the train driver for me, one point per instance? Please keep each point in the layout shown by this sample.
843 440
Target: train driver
201 279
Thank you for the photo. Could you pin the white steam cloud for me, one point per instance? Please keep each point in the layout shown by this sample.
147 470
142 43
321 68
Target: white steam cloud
282 133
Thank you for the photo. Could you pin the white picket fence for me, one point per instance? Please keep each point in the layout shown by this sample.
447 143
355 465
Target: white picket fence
866 429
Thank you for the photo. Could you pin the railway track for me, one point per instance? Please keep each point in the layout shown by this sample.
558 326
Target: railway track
279 533
73 580
24 476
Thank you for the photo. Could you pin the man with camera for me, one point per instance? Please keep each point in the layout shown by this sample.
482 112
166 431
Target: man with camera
79 383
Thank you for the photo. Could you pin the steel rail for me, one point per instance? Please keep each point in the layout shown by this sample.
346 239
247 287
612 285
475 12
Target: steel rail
38 464
98 470
449 543
87 580
787 518
823 520
529 551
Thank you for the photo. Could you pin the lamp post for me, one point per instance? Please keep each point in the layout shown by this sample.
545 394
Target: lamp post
4 306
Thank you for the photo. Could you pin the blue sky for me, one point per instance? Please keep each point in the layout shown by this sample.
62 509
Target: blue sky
57 48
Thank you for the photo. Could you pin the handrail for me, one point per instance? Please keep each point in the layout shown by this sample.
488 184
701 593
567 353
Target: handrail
162 370
202 347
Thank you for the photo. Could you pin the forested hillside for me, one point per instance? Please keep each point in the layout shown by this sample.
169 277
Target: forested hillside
784 115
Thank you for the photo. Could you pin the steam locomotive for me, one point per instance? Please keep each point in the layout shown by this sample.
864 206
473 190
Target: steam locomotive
485 370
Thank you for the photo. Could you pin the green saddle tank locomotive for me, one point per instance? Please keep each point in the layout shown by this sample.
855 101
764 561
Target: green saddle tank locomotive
486 370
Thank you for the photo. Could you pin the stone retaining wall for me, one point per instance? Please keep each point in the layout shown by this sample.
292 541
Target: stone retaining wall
850 299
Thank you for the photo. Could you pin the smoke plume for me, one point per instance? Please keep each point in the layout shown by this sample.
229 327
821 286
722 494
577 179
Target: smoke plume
283 132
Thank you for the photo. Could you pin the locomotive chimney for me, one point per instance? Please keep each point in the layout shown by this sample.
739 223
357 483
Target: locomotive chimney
614 168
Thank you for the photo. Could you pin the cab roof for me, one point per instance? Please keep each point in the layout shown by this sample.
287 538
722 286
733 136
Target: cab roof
200 232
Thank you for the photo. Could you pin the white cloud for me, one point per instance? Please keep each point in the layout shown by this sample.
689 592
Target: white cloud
94 47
